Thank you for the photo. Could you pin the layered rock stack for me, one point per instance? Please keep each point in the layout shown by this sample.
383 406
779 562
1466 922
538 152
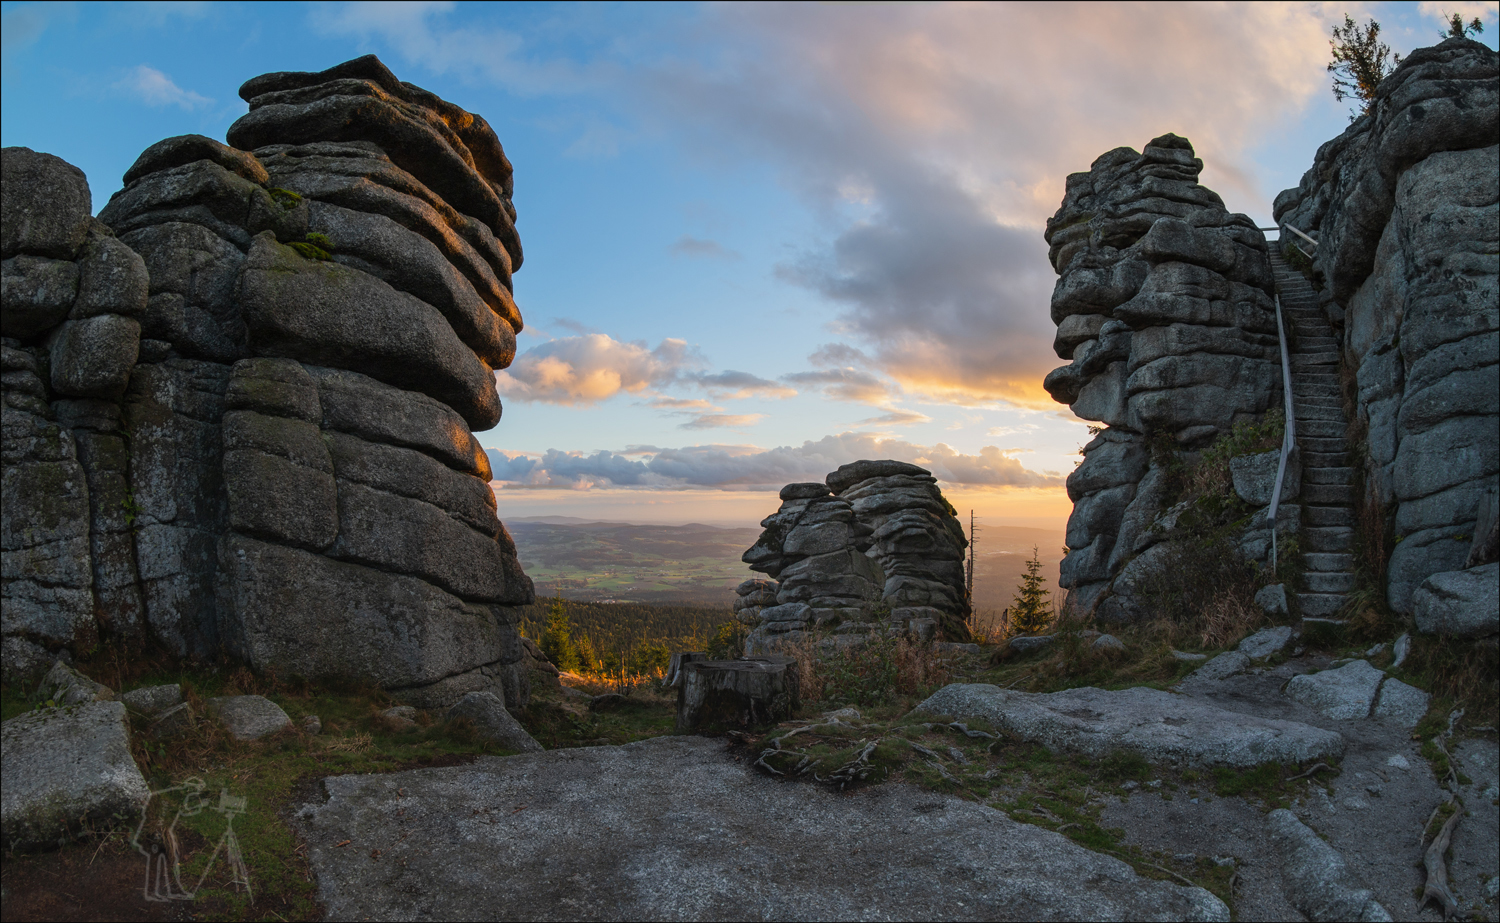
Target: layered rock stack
1403 208
240 405
1164 305
877 544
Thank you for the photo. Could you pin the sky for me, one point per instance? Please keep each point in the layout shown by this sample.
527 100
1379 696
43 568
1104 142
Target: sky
763 240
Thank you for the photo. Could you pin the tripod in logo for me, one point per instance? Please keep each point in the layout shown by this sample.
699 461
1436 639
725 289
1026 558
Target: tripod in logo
161 844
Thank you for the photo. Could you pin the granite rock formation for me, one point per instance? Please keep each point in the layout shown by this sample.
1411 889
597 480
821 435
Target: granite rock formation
1403 206
1164 305
876 543
240 404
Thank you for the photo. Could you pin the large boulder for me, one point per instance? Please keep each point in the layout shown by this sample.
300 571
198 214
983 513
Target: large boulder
254 381
1163 305
67 770
1403 206
1158 725
673 827
1459 604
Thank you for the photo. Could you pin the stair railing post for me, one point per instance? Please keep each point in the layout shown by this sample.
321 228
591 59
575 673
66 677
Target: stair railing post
1289 436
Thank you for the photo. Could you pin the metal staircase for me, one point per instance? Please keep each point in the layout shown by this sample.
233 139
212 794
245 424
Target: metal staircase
1328 494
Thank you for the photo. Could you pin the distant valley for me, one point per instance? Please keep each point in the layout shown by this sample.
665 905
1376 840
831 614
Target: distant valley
699 564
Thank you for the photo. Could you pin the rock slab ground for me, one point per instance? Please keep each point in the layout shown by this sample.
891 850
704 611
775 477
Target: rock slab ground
1161 726
63 767
675 828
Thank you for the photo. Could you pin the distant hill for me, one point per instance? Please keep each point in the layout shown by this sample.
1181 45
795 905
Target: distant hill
698 564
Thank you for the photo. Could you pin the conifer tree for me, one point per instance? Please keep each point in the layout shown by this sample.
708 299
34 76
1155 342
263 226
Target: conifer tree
557 637
1359 63
1031 611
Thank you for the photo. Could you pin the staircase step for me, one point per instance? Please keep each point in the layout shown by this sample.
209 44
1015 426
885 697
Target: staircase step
1322 429
1317 444
1320 476
1318 412
1324 459
1311 342
1326 515
1320 605
1328 561
1327 538
1331 496
1319 582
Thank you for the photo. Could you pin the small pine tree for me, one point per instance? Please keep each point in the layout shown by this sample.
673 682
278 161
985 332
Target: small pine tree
557 637
1457 28
1359 63
1031 611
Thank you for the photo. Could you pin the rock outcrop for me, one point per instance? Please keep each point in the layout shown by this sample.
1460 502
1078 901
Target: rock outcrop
240 404
1403 206
876 543
1164 305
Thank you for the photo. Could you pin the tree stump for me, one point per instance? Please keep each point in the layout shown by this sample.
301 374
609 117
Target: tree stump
744 692
674 668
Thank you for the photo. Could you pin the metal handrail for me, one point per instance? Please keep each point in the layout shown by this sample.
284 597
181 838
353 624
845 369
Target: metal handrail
1289 438
1302 235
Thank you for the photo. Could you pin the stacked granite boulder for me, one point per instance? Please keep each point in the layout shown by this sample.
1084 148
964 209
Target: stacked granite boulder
291 369
1164 305
73 296
875 547
1403 206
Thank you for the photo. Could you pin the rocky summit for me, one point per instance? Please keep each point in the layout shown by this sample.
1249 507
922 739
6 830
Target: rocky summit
240 404
876 546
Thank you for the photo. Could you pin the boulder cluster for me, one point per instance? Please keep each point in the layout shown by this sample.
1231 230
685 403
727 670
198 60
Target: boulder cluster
239 405
1164 305
1403 206
875 546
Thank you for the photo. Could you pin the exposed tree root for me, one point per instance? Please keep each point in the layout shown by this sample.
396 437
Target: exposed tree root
1304 775
1436 888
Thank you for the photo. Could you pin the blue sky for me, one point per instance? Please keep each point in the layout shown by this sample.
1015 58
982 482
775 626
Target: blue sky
760 240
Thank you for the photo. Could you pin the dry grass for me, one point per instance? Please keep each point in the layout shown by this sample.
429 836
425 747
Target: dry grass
990 626
877 673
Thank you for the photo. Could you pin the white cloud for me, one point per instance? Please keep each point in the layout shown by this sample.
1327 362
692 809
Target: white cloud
722 421
937 137
152 87
897 418
1469 10
748 467
592 368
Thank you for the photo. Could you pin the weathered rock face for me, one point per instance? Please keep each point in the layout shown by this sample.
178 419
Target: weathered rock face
1164 305
877 535
1404 208
240 405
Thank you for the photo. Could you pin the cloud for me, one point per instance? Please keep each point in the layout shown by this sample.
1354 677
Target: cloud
683 403
21 26
748 467
1486 11
845 385
730 385
698 246
936 139
592 368
154 88
898 418
418 33
722 421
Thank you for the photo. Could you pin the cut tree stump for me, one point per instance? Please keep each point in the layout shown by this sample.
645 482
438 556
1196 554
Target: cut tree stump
744 692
